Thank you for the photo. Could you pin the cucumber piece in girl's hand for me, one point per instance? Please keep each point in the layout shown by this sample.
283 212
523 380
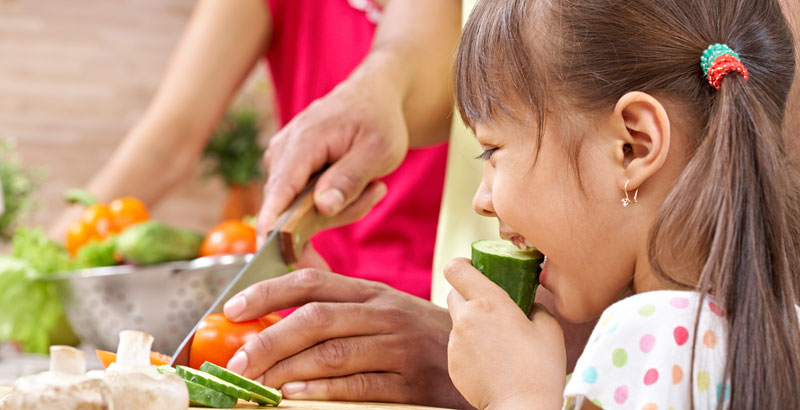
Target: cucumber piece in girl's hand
514 270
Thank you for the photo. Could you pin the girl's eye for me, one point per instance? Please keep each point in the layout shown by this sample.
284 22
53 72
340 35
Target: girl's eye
486 154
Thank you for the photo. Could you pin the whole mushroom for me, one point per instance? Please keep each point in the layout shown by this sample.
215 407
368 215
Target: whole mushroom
136 384
64 387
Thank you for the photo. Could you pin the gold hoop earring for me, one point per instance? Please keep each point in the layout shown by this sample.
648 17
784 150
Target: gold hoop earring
627 200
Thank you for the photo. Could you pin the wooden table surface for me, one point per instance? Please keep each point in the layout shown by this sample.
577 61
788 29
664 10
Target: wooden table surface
310 405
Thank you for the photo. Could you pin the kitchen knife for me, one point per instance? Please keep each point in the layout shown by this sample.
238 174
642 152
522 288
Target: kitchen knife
284 246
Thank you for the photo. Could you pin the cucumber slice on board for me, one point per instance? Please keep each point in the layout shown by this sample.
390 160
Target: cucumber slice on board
262 395
203 396
212 382
514 270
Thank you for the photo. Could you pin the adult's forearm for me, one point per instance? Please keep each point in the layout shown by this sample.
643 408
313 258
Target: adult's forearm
412 51
218 49
156 155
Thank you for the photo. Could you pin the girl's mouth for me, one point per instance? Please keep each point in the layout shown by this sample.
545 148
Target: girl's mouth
521 243
543 273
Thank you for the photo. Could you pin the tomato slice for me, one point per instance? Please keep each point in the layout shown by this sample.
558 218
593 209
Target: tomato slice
106 358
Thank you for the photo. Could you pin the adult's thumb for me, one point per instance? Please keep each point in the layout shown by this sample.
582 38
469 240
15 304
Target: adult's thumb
345 180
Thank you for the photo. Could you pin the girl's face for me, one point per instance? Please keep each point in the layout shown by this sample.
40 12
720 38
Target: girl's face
590 240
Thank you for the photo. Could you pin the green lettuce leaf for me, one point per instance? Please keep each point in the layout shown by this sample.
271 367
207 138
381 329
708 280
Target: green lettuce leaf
31 310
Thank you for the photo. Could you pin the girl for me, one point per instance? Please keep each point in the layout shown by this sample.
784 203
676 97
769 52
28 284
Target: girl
634 168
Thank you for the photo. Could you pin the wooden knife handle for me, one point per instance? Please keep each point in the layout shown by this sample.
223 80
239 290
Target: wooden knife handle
302 224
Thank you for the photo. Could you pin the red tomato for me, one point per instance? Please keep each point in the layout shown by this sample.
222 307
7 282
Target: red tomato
106 358
229 237
126 212
217 338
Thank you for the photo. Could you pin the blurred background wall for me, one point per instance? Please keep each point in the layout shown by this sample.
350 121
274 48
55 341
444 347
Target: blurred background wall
75 76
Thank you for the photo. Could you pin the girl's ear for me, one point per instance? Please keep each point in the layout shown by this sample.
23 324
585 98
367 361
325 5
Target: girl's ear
642 138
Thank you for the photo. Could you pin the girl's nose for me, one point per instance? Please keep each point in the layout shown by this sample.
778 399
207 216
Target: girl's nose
482 201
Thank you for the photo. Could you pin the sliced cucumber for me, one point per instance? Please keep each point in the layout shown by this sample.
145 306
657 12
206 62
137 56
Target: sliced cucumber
213 382
166 369
201 395
514 270
205 397
262 395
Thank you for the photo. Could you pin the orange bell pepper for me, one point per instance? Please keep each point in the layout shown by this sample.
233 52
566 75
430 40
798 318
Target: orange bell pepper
106 358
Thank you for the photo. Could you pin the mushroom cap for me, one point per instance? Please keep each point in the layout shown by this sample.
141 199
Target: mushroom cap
138 390
39 393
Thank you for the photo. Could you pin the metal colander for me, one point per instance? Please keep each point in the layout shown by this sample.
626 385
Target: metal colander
165 300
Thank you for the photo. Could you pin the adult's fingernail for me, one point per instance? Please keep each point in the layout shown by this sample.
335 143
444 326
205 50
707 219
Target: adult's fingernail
238 364
293 388
332 200
234 307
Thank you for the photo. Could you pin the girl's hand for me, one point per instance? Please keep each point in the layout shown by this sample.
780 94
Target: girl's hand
497 357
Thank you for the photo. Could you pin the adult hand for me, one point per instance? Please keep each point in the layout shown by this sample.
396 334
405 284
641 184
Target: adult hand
498 358
351 339
358 128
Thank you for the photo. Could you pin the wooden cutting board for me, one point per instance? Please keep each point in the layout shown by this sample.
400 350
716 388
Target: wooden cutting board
309 405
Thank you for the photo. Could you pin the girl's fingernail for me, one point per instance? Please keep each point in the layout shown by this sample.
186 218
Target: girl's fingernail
293 388
238 364
235 307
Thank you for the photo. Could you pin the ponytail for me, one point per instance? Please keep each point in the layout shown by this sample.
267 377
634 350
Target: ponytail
739 195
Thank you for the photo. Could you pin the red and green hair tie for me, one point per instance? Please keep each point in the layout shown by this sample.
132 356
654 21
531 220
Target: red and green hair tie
719 60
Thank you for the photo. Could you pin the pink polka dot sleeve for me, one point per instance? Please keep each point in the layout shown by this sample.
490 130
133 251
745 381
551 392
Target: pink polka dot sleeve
639 356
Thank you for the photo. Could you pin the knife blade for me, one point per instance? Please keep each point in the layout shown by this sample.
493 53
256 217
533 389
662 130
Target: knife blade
283 246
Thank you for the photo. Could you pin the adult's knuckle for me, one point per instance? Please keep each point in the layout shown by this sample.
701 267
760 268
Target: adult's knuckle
275 178
377 143
307 279
333 354
277 375
394 317
262 291
263 343
358 386
350 183
313 315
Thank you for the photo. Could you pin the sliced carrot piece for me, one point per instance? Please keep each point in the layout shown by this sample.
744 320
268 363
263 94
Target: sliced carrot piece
106 358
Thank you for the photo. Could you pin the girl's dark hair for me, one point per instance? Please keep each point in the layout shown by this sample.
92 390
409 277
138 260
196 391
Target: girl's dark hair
732 219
